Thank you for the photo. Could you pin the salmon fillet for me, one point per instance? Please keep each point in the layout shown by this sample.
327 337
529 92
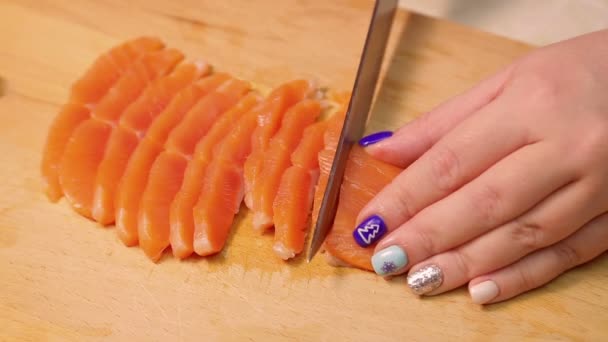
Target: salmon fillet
84 95
181 218
85 148
135 176
109 67
364 177
277 158
170 152
167 172
269 121
223 186
293 202
132 126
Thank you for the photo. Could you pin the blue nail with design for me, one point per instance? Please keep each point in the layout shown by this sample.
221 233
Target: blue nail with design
389 260
369 231
374 138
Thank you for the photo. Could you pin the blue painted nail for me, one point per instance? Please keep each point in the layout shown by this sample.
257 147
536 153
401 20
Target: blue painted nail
369 231
389 260
374 138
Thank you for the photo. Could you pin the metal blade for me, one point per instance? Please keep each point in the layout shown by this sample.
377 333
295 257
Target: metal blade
356 115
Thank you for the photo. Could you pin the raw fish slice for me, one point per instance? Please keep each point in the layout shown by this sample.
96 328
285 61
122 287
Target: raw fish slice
109 67
118 151
269 120
196 123
78 183
236 147
135 177
154 210
293 202
85 93
277 158
306 155
132 127
213 219
219 202
134 81
131 187
364 177
181 220
70 116
291 211
164 181
79 164
326 158
224 126
141 113
181 104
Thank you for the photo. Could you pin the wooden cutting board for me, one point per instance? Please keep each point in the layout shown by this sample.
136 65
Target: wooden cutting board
63 277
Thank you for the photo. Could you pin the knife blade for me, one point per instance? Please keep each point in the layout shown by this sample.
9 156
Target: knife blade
356 115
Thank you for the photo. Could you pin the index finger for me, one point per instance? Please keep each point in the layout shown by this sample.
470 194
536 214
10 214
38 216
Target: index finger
459 157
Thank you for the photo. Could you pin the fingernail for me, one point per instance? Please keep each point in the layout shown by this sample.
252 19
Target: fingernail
425 279
389 260
483 292
369 231
374 138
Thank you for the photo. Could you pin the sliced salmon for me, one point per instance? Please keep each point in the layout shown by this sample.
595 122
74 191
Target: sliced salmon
84 95
77 177
70 116
277 158
196 123
326 157
134 81
167 172
213 216
133 125
181 104
118 151
364 177
80 161
269 121
109 67
223 187
181 219
293 202
135 176
130 189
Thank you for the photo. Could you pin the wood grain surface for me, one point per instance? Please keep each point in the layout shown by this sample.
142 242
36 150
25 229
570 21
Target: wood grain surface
63 277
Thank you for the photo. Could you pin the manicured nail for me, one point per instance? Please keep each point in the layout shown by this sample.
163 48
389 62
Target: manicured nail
484 292
369 231
389 260
374 138
425 279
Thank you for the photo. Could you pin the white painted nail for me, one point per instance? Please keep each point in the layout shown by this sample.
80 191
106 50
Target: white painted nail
484 292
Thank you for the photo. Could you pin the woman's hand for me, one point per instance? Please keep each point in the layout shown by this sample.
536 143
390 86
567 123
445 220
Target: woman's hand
506 185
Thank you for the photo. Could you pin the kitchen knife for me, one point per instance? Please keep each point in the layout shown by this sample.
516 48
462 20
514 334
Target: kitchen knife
356 115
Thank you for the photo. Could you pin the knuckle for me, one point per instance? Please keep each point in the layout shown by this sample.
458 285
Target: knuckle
465 264
540 87
426 129
445 165
426 242
592 147
487 203
527 234
526 277
403 199
567 255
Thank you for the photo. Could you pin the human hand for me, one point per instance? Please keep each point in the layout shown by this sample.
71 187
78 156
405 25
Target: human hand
506 185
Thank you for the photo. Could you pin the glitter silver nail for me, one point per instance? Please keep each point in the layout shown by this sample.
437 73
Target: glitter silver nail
425 279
